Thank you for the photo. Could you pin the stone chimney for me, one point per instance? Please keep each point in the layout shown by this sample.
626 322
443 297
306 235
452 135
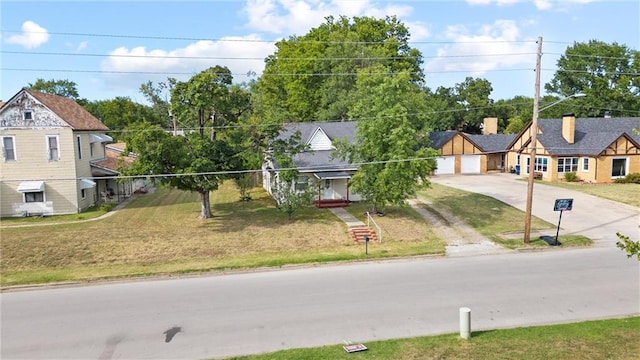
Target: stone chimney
569 127
490 126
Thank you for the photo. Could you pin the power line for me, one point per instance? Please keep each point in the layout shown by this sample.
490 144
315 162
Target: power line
125 36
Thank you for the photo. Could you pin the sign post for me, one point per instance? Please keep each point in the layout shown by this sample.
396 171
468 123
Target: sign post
562 205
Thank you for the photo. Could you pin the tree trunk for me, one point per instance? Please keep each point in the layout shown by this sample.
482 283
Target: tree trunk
205 205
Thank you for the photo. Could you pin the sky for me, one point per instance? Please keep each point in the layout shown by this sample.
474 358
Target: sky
110 48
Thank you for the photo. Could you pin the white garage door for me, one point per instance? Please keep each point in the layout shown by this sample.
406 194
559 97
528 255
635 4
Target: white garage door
470 164
446 165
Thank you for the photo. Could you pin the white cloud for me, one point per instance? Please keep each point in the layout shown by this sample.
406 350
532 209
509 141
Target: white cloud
240 54
299 16
32 36
489 2
491 47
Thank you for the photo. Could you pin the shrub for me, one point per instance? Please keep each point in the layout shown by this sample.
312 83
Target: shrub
571 177
105 207
629 179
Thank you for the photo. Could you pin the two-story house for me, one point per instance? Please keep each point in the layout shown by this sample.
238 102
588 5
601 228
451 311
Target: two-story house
49 144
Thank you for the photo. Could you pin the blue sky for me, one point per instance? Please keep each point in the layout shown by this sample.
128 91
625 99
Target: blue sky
92 42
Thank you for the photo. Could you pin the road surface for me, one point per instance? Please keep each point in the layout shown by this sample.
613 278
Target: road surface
245 313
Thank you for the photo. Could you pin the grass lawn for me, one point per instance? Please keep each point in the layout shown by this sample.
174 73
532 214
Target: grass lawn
603 339
492 218
159 233
625 193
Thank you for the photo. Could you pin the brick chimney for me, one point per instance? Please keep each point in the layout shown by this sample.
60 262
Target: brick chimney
569 127
490 126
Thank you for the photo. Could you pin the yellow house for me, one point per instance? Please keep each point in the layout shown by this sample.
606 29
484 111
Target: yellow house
49 144
462 153
598 150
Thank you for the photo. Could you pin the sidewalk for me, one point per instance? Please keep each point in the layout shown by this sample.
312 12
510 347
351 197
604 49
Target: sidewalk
349 219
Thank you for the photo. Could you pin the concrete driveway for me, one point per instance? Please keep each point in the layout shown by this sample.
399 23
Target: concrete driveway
596 218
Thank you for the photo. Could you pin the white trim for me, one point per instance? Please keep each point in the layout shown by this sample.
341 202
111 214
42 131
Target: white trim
585 169
50 157
320 141
626 166
87 184
31 186
79 146
4 152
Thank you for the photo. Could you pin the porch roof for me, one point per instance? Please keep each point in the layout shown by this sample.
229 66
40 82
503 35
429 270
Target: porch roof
31 186
330 175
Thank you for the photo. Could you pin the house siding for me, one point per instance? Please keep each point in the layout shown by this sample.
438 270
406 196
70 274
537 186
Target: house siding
62 193
458 146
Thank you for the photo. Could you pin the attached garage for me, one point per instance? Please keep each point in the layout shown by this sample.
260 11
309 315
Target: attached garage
470 164
446 165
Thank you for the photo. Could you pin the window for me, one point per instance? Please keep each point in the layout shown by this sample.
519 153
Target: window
28 115
567 165
91 149
79 147
8 148
83 193
541 164
619 167
53 152
36 196
585 164
518 159
302 183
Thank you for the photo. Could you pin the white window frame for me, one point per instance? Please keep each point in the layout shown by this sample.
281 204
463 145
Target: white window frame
50 156
539 167
91 152
567 162
4 150
585 164
79 145
25 117
626 167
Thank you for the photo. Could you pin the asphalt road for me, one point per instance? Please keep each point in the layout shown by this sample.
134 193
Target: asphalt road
218 316
594 217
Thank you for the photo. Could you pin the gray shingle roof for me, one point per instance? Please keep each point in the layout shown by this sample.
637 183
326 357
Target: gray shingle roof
334 130
492 143
438 138
592 135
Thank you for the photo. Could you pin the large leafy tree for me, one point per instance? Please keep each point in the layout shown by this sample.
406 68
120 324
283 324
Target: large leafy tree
391 145
312 77
64 88
121 113
462 107
609 74
191 162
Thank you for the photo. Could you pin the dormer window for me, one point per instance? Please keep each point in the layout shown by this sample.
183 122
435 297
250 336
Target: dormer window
28 115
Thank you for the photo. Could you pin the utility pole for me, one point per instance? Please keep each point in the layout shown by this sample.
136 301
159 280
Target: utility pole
533 144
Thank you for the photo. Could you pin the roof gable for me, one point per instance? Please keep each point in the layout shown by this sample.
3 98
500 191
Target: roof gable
68 112
320 141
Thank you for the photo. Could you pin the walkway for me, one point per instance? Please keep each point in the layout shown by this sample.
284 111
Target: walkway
461 239
345 216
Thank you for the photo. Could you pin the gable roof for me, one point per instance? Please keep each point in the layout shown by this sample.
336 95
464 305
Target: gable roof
592 135
334 130
439 138
492 143
67 109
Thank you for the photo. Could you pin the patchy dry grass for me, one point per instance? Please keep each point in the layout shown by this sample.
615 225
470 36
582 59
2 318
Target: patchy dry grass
625 193
159 233
487 215
603 339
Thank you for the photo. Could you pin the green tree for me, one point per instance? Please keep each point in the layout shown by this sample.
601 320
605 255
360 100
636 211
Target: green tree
607 73
462 107
391 139
632 248
121 113
311 77
192 162
64 88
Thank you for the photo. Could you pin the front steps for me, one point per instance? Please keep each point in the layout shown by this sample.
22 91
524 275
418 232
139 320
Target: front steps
358 234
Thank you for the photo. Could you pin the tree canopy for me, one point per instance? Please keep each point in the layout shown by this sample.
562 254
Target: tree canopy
392 146
66 88
311 77
609 74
